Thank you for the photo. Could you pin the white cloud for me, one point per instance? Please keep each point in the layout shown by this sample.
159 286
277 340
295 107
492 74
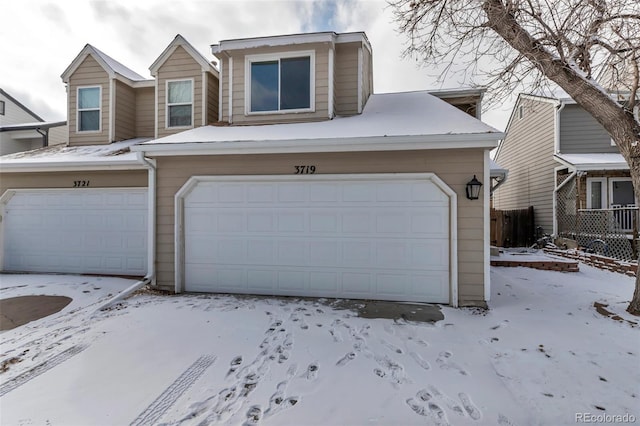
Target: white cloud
42 38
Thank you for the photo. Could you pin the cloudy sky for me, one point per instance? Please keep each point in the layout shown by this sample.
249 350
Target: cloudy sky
41 38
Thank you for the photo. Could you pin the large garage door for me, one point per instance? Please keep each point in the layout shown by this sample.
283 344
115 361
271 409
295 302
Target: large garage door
375 238
98 231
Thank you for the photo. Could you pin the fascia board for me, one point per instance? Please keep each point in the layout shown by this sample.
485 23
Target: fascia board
484 141
70 166
284 40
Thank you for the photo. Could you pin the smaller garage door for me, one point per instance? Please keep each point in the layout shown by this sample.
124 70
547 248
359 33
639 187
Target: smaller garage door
382 237
97 231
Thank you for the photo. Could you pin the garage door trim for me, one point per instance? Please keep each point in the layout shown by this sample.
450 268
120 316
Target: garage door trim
6 197
193 181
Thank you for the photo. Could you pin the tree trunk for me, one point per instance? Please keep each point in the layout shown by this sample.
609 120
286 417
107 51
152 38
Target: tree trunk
618 121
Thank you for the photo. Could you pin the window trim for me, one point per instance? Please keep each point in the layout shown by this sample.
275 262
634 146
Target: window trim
167 105
604 191
99 109
612 180
2 108
249 59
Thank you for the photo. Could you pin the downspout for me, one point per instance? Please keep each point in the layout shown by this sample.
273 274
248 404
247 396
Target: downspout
45 137
150 278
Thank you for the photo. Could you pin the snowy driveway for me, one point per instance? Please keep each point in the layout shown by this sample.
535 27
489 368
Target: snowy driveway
541 355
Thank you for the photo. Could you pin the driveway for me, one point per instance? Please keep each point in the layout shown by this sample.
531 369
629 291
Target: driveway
539 356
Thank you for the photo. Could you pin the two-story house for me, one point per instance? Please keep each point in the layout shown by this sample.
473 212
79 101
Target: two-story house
564 164
279 172
21 129
311 184
82 207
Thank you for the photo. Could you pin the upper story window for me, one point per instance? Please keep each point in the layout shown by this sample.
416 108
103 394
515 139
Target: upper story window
280 83
180 103
1 107
89 109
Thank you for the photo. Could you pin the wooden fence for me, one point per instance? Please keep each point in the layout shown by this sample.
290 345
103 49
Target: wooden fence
512 228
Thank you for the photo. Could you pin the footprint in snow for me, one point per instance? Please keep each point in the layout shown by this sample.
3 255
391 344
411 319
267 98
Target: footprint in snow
235 363
345 359
391 346
254 414
420 361
437 395
445 364
469 407
312 371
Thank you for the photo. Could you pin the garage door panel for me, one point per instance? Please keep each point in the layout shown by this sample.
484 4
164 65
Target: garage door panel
342 238
81 231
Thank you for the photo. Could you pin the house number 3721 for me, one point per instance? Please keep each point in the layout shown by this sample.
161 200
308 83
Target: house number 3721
80 183
305 170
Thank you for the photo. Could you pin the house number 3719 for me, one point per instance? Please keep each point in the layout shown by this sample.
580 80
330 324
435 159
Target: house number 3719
305 170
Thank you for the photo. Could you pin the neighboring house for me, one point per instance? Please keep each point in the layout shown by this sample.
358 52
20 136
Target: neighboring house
564 164
83 208
23 130
280 174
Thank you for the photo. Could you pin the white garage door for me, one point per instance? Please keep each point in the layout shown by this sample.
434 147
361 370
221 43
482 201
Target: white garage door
375 238
98 231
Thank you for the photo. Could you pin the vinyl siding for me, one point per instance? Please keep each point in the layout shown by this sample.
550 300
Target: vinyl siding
527 152
125 112
97 179
89 73
145 110
225 89
13 114
179 66
453 167
367 76
346 79
213 95
580 133
58 135
238 85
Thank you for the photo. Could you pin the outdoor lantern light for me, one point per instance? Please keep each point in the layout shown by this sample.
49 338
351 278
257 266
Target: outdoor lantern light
473 188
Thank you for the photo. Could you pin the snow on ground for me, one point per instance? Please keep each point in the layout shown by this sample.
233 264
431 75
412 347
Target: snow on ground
540 355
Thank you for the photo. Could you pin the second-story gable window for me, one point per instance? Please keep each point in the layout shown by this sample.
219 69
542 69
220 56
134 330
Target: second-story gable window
180 103
280 83
89 109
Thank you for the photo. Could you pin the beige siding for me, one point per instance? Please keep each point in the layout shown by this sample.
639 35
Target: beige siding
346 78
225 89
238 85
179 66
145 111
527 152
125 112
89 73
454 167
59 135
213 93
367 76
97 179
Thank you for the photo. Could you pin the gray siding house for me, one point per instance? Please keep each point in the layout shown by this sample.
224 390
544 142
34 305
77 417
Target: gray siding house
564 164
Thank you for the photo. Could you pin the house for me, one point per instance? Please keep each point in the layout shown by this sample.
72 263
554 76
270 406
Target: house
83 207
564 164
278 172
22 129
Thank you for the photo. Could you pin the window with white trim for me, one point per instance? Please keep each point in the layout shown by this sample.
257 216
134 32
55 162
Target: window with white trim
597 193
89 111
180 103
280 83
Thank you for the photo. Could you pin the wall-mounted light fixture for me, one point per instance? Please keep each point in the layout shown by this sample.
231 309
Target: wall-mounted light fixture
473 188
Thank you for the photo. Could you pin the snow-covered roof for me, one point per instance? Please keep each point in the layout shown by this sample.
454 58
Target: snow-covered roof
415 119
594 161
110 65
59 157
32 126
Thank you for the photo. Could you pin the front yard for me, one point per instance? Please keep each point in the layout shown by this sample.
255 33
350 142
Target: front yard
543 354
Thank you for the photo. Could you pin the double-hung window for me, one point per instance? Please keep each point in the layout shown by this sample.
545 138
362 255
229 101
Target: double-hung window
280 83
89 109
180 103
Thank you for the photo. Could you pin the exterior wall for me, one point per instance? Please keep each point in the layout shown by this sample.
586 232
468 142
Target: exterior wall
145 112
213 94
580 133
89 73
346 78
527 152
24 141
226 66
453 167
59 135
13 114
97 179
367 76
179 66
238 93
125 112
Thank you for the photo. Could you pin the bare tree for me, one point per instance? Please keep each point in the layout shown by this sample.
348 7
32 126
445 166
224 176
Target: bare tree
513 43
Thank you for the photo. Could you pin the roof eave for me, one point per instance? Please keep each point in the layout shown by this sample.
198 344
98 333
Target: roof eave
61 166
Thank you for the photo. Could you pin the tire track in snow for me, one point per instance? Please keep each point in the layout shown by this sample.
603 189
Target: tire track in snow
40 368
162 403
